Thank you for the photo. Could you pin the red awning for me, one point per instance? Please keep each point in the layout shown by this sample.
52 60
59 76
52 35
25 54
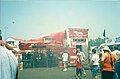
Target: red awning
49 39
34 41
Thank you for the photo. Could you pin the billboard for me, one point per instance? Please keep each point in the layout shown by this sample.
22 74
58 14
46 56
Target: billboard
78 33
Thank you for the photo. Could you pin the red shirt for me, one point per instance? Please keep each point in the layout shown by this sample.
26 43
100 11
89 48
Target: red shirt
78 63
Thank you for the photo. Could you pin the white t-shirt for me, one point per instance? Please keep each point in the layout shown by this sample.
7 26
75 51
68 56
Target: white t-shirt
82 55
8 64
65 56
95 59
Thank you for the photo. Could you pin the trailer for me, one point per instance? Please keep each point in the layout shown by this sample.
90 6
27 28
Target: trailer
76 38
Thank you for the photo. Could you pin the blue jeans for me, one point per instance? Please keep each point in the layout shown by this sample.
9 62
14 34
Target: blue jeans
79 71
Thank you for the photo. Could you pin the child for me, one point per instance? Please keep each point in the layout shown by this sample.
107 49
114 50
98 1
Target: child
78 66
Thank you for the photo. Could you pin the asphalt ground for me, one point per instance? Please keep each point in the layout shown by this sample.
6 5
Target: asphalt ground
51 73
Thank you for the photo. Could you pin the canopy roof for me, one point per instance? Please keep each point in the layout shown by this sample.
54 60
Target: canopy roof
51 39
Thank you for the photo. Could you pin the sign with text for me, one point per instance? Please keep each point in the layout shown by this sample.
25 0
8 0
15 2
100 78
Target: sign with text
78 33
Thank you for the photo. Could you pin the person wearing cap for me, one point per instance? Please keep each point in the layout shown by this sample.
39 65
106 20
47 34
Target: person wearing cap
107 64
79 66
8 62
117 66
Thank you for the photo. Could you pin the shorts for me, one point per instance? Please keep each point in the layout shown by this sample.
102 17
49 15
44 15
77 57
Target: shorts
65 63
95 70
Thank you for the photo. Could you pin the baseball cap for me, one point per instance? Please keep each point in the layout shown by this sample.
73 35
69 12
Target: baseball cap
106 48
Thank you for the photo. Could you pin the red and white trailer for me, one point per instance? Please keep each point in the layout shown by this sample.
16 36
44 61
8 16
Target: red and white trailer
76 38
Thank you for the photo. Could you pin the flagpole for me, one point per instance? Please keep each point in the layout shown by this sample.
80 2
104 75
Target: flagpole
104 34
105 40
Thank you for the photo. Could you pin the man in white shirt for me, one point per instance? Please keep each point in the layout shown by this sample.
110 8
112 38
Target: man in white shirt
8 63
95 64
95 58
65 60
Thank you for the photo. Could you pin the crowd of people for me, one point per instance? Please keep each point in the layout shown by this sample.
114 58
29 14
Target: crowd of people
107 62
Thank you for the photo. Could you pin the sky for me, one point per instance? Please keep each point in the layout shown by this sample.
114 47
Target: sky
28 19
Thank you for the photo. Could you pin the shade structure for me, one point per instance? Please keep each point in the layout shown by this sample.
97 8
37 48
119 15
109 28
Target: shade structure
48 39
52 39
27 45
34 41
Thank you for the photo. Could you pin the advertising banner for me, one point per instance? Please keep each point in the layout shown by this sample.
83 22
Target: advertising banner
78 33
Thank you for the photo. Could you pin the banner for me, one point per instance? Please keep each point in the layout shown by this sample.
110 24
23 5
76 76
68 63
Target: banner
78 33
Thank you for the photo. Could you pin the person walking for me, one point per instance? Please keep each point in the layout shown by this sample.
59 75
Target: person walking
107 64
117 66
95 64
65 60
82 59
79 66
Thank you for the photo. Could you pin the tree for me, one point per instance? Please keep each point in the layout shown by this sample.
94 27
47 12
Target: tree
96 42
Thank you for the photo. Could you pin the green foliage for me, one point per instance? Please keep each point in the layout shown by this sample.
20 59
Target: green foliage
96 42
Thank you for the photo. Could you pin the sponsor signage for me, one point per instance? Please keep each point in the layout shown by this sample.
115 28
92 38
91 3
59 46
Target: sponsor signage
78 33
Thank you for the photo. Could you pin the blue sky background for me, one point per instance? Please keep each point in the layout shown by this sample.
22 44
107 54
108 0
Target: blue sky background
30 19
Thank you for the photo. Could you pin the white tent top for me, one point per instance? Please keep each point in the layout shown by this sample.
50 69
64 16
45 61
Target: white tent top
10 39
